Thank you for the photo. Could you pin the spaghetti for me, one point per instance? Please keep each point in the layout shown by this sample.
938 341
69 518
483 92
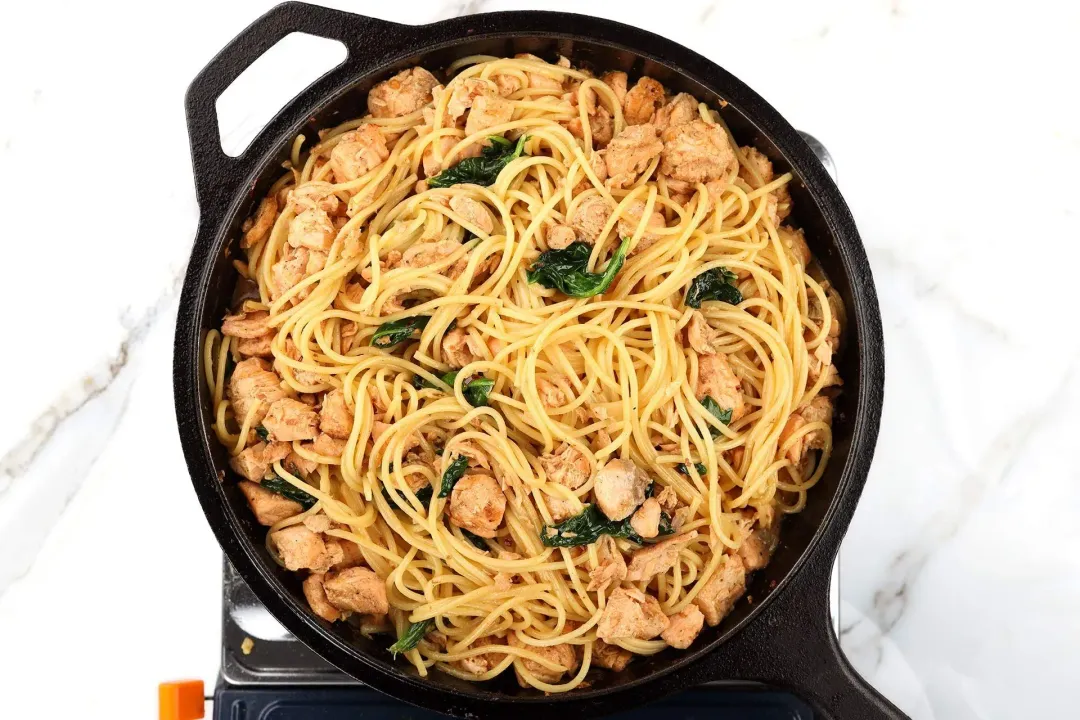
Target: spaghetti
525 369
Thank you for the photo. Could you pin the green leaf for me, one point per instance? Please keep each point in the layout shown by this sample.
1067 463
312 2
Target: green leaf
566 270
483 170
700 467
453 473
420 382
718 412
412 637
263 433
475 539
665 525
715 284
391 333
286 489
477 390
423 495
586 528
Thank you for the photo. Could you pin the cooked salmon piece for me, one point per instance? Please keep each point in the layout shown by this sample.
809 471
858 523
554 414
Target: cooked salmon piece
269 507
357 589
631 614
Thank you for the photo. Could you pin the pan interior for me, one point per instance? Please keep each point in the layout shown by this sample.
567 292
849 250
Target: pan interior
798 530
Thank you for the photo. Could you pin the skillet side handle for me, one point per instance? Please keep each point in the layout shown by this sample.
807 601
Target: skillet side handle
366 39
792 646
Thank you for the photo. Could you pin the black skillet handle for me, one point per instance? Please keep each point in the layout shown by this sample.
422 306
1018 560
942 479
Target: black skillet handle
368 41
792 646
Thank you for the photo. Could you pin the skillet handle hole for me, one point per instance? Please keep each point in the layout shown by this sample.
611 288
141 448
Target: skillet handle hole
267 84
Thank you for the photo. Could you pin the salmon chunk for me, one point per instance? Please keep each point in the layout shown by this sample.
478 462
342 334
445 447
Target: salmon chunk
684 627
631 614
317 600
253 388
629 154
290 420
652 560
620 488
299 548
405 93
254 462
335 418
477 504
566 466
700 334
261 223
312 229
612 566
269 507
357 589
611 657
696 152
724 588
642 101
315 195
562 655
589 217
358 152
473 212
717 380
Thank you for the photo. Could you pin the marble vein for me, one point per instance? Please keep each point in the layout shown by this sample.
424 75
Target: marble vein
890 600
45 470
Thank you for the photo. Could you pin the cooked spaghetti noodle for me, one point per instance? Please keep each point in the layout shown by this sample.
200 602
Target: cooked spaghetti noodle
619 442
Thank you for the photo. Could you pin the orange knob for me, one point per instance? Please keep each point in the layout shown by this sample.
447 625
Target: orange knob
181 700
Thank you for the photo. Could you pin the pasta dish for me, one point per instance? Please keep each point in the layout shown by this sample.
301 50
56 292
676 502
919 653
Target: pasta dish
524 368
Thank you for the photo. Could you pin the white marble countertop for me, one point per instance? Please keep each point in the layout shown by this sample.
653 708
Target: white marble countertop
955 131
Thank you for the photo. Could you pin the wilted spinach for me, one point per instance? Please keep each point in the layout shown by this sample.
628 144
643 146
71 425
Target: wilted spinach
586 528
263 433
718 412
412 637
476 390
453 473
423 495
665 525
682 468
391 333
476 540
286 489
420 382
566 270
481 170
715 284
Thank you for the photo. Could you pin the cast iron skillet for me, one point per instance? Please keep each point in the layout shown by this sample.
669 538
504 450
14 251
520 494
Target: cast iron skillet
782 636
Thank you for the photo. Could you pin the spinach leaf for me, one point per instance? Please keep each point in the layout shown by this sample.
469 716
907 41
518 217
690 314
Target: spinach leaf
263 433
565 270
700 467
715 284
476 540
477 390
412 637
483 170
586 528
285 489
420 382
391 333
453 474
423 495
718 412
665 525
